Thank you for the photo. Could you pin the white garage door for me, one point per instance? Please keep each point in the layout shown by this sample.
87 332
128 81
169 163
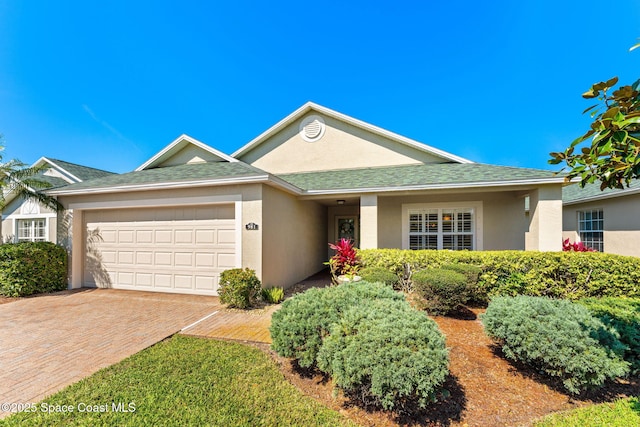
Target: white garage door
161 249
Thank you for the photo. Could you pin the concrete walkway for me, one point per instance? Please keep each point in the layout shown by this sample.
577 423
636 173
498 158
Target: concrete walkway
49 342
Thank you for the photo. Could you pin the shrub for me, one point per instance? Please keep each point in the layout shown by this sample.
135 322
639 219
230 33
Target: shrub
298 328
567 246
570 275
380 275
385 353
29 268
472 273
558 337
345 260
273 295
443 290
623 315
238 287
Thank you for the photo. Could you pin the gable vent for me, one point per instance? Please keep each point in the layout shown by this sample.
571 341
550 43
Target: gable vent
312 128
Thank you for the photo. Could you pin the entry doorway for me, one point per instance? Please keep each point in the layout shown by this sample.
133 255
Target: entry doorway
347 227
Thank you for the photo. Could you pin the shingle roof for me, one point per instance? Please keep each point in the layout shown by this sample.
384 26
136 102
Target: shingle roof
414 175
82 172
172 174
575 194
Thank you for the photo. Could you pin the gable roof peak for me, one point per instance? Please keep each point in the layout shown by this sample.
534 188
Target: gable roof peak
312 106
178 144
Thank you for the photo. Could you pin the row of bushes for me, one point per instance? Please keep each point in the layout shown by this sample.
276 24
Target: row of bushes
376 347
567 275
581 344
29 268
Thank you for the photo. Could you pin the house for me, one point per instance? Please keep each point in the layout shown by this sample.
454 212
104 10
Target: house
608 221
28 221
191 211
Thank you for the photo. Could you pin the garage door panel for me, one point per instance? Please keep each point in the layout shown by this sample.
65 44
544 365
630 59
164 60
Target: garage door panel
184 251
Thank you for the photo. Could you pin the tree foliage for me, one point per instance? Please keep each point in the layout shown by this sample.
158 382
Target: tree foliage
22 181
612 153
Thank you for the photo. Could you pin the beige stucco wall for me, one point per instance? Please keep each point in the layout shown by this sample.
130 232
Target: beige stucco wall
545 227
294 234
190 154
343 146
504 219
621 223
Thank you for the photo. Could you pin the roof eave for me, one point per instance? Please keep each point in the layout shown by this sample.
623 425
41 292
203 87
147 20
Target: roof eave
254 179
605 196
422 187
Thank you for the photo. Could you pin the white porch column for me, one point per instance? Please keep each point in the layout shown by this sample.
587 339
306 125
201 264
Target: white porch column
77 248
545 227
368 221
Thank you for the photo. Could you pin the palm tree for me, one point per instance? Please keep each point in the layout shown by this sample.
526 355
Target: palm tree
17 179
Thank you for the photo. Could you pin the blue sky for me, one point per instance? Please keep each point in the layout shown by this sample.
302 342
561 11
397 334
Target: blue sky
109 84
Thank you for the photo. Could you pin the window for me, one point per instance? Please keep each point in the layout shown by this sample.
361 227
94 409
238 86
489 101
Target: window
442 228
591 228
32 230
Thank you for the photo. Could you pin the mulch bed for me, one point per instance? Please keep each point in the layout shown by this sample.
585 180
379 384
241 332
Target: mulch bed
485 389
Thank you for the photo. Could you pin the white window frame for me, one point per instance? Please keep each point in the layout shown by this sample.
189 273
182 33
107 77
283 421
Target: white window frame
590 242
476 209
32 227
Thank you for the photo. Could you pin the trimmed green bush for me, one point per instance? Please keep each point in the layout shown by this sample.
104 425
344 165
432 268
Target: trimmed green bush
238 287
273 295
570 275
558 337
472 273
298 328
443 290
30 268
623 315
378 274
385 353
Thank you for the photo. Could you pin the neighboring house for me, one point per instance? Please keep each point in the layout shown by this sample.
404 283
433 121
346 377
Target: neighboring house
190 211
28 221
608 221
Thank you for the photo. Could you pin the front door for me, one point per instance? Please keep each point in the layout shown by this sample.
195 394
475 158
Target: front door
347 228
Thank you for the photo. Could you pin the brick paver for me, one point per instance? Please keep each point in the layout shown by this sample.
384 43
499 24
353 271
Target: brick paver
238 325
49 342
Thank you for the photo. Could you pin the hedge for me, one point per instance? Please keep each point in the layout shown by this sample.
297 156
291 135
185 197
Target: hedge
571 275
623 315
29 268
443 290
558 337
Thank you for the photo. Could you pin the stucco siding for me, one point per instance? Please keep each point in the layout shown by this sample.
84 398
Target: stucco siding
621 222
504 220
190 154
294 234
343 146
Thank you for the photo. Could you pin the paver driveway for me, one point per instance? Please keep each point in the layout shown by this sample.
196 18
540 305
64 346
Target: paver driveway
49 342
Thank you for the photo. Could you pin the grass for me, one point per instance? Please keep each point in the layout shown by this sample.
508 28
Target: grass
621 413
184 381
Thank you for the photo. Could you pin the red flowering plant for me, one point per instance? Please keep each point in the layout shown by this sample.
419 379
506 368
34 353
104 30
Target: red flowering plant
567 246
345 261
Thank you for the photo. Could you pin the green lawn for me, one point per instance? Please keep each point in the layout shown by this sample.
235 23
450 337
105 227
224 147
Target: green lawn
184 381
622 413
